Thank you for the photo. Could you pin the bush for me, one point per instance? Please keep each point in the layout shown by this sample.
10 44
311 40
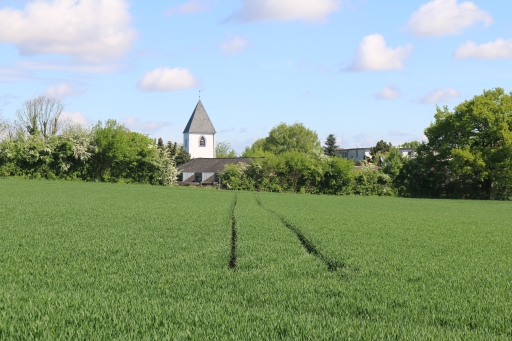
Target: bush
106 153
291 172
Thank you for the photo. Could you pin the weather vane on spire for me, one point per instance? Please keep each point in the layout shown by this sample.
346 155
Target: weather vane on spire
199 94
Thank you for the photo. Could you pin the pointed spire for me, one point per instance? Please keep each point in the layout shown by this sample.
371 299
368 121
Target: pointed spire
199 122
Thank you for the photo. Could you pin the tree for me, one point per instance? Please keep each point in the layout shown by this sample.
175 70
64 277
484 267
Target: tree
160 144
381 148
223 150
393 163
286 138
182 156
40 116
412 144
3 126
177 152
256 150
474 142
469 151
330 146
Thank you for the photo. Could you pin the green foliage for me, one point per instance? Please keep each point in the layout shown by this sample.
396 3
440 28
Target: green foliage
291 138
223 150
371 182
337 177
145 267
182 157
469 153
380 149
122 156
412 144
291 172
178 153
256 150
330 146
107 152
393 163
235 177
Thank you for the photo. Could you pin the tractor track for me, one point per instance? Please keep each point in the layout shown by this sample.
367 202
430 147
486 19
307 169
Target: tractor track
309 246
232 258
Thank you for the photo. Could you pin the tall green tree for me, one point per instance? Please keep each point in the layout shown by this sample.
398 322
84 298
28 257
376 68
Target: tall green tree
182 156
177 152
475 142
330 146
381 148
256 149
287 138
469 151
160 144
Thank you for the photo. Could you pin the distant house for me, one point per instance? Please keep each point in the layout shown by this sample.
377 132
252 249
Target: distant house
359 154
206 171
356 154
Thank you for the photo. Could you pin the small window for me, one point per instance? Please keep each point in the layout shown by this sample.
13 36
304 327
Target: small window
198 177
186 142
202 142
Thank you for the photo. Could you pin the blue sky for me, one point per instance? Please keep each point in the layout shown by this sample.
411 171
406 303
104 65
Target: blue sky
361 70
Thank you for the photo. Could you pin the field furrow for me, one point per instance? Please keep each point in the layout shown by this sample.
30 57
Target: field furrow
332 265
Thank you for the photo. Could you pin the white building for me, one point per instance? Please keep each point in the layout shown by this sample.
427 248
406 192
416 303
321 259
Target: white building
199 134
358 154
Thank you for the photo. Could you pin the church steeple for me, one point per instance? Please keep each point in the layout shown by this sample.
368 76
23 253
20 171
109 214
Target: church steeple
199 134
199 122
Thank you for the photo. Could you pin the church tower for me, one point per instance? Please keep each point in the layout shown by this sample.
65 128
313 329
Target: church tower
199 134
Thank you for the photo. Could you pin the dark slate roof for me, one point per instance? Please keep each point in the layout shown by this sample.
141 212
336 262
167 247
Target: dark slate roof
199 121
210 165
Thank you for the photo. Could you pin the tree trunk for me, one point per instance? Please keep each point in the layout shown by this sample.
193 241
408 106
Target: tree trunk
488 188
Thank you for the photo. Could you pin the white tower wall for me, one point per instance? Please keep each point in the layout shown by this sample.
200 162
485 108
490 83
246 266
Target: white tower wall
191 141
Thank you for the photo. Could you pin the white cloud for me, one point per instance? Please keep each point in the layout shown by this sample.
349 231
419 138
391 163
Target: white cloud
445 17
439 96
499 49
26 70
189 7
285 10
6 99
89 30
389 92
165 79
148 127
235 45
63 91
70 118
373 54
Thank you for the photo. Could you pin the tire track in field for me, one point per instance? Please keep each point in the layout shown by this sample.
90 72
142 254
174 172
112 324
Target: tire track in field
332 264
232 258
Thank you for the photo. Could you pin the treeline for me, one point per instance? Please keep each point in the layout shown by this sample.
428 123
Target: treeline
468 156
293 161
301 173
40 145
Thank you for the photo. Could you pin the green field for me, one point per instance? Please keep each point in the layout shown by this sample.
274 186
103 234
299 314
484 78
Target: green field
103 261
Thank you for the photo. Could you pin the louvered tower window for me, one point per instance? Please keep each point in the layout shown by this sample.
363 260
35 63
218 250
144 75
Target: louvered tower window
202 142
